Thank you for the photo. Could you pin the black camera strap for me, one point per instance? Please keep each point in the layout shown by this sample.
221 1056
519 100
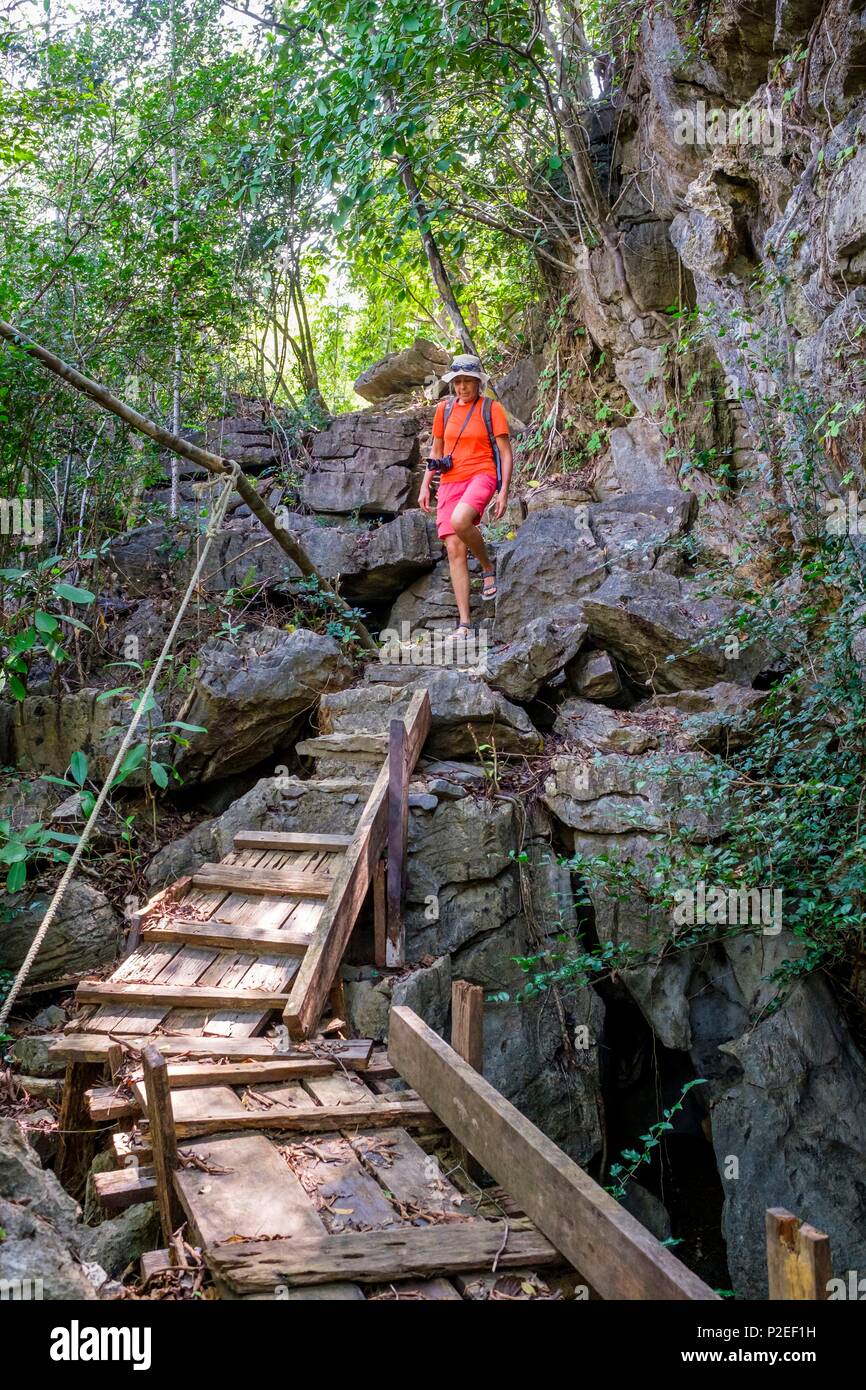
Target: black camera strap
446 416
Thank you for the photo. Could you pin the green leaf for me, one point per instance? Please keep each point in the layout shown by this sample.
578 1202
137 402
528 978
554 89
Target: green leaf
133 760
88 801
45 622
78 768
73 594
16 878
17 689
159 774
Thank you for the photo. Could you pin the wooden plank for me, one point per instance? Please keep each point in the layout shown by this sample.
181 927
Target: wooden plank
106 1104
799 1265
163 1140
183 1075
124 1187
229 936
412 1177
404 1252
398 832
289 840
181 996
255 1196
380 913
613 1252
75 1135
319 1119
199 1103
319 966
346 1197
264 881
353 1053
467 1039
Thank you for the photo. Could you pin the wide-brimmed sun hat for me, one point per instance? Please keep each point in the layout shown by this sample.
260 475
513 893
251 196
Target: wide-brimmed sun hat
467 365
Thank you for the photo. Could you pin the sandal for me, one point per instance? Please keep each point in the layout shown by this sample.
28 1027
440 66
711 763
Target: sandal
488 583
462 630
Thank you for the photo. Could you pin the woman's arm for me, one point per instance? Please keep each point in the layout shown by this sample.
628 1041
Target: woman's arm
437 448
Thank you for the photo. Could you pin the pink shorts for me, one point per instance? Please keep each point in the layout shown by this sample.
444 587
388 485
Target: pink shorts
475 492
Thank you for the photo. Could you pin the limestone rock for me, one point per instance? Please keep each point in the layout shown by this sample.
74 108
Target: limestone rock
84 936
796 1121
30 1053
123 1239
427 991
619 794
466 713
429 603
401 372
638 458
250 695
46 730
608 731
553 563
545 647
362 463
593 676
637 530
653 623
721 717
518 389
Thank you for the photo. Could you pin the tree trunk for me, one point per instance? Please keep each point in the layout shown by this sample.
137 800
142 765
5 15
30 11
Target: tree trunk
437 266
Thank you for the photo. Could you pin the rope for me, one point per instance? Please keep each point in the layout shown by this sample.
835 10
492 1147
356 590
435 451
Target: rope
214 524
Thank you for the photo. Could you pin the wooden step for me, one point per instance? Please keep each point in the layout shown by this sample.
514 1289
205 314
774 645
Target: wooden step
185 1074
255 1195
289 840
179 996
229 936
124 1187
282 882
376 1112
105 1103
376 1257
352 1053
361 747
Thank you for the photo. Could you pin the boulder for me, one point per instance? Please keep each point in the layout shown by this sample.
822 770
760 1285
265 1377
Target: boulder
362 463
399 373
427 991
31 1054
250 696
46 730
518 389
84 936
545 647
620 795
607 731
466 713
553 563
372 563
593 676
720 718
122 1240
638 531
429 603
653 623
639 460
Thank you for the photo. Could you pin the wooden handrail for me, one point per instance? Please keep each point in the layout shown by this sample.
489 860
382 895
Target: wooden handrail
617 1256
353 878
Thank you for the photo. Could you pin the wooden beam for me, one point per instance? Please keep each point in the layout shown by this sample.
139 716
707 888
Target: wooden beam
398 831
375 1113
163 1139
184 1075
75 1136
178 996
319 967
352 1053
799 1265
290 840
124 1187
106 1104
278 882
230 936
467 1040
374 1257
612 1251
380 913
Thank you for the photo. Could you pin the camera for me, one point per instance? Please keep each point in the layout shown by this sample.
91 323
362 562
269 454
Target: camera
440 465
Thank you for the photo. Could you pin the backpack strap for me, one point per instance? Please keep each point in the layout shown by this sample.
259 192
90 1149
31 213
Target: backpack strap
487 416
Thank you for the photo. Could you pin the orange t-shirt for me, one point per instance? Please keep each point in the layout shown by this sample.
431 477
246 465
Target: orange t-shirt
473 454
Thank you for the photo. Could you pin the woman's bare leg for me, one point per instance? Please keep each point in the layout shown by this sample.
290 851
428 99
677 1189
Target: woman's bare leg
459 566
465 519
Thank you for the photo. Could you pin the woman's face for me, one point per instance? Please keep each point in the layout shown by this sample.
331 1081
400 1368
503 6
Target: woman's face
466 388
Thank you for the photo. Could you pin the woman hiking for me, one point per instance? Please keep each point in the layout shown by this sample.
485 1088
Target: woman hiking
468 433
